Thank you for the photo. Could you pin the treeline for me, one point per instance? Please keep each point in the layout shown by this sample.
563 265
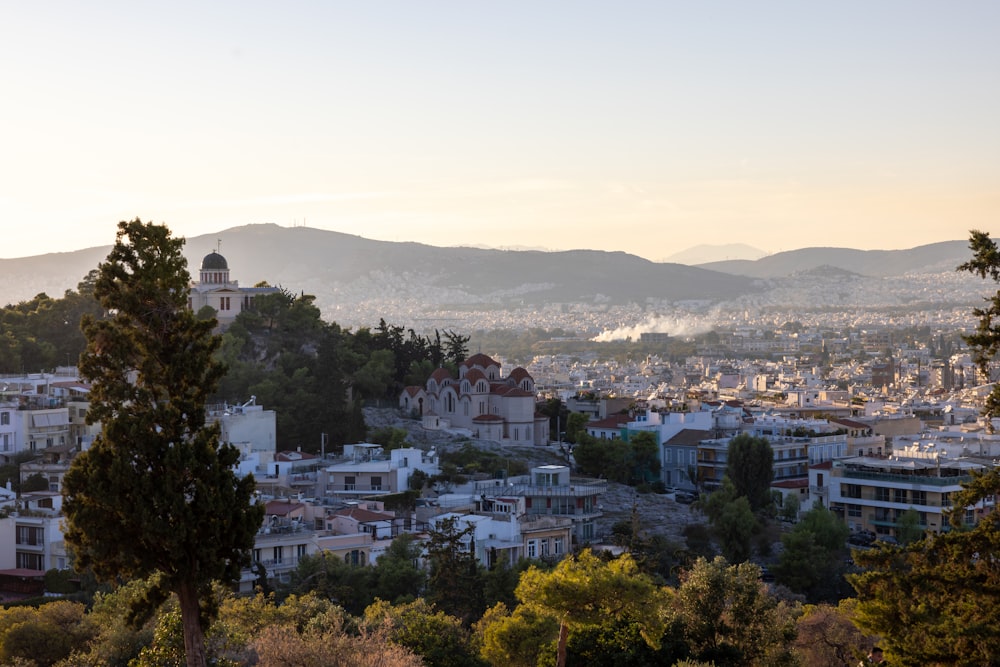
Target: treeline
587 609
44 332
314 374
317 375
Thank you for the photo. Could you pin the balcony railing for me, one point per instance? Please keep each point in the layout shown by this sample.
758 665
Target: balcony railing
913 480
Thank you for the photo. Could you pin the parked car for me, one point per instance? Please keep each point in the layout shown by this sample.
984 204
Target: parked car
862 538
685 497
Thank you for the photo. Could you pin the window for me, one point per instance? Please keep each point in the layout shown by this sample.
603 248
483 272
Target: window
300 551
532 548
899 495
882 494
256 555
919 497
946 499
4 419
30 535
349 483
278 555
30 561
557 546
545 548
376 483
854 510
851 490
224 303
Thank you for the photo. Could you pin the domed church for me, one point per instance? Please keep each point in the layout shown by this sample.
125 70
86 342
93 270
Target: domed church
215 289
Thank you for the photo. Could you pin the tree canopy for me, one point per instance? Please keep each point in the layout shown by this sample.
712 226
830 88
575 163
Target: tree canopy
750 466
156 494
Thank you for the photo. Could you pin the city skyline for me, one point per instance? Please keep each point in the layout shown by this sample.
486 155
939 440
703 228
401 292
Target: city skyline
643 127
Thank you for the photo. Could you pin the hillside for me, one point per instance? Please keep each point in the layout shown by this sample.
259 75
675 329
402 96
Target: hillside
932 258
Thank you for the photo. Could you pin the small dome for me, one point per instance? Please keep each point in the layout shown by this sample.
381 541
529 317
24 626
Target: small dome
214 262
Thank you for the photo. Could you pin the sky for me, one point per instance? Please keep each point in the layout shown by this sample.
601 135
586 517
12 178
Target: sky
645 127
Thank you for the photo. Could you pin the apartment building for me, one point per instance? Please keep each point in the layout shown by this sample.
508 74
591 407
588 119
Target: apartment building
547 491
871 493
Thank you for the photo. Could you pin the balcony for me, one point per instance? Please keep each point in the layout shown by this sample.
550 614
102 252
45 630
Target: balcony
912 480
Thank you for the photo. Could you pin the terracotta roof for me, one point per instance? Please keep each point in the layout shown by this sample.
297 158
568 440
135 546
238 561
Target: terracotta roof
519 374
474 375
281 507
500 389
441 374
514 391
487 418
791 484
825 465
850 423
479 359
614 421
413 390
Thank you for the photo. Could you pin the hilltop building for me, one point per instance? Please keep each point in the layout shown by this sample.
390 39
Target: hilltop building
215 289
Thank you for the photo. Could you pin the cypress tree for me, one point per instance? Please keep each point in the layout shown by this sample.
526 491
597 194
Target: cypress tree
156 494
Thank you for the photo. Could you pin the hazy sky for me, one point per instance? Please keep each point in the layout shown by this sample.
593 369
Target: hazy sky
647 127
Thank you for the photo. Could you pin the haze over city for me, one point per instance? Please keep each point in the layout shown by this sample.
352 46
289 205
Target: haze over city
647 127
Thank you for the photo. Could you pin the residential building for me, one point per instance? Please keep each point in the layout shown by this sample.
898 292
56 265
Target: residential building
871 493
547 490
368 471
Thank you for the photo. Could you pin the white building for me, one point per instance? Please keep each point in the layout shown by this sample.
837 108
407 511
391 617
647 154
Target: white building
216 290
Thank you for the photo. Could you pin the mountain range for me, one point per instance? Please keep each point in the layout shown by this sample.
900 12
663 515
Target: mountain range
348 271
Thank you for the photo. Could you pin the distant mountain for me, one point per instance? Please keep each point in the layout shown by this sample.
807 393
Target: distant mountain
356 280
339 268
705 253
932 258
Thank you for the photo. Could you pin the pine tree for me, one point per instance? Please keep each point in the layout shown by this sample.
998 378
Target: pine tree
156 495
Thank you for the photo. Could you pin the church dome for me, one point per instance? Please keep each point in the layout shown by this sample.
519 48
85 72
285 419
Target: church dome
214 262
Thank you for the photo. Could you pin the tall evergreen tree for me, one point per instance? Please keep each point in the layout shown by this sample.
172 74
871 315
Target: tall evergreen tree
156 495
750 466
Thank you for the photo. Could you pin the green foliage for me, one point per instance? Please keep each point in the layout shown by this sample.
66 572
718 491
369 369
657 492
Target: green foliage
634 461
750 466
395 577
42 333
156 491
790 505
518 639
812 561
390 438
435 636
587 592
733 522
35 482
985 341
908 528
333 579
932 601
470 459
576 427
455 578
45 635
726 615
